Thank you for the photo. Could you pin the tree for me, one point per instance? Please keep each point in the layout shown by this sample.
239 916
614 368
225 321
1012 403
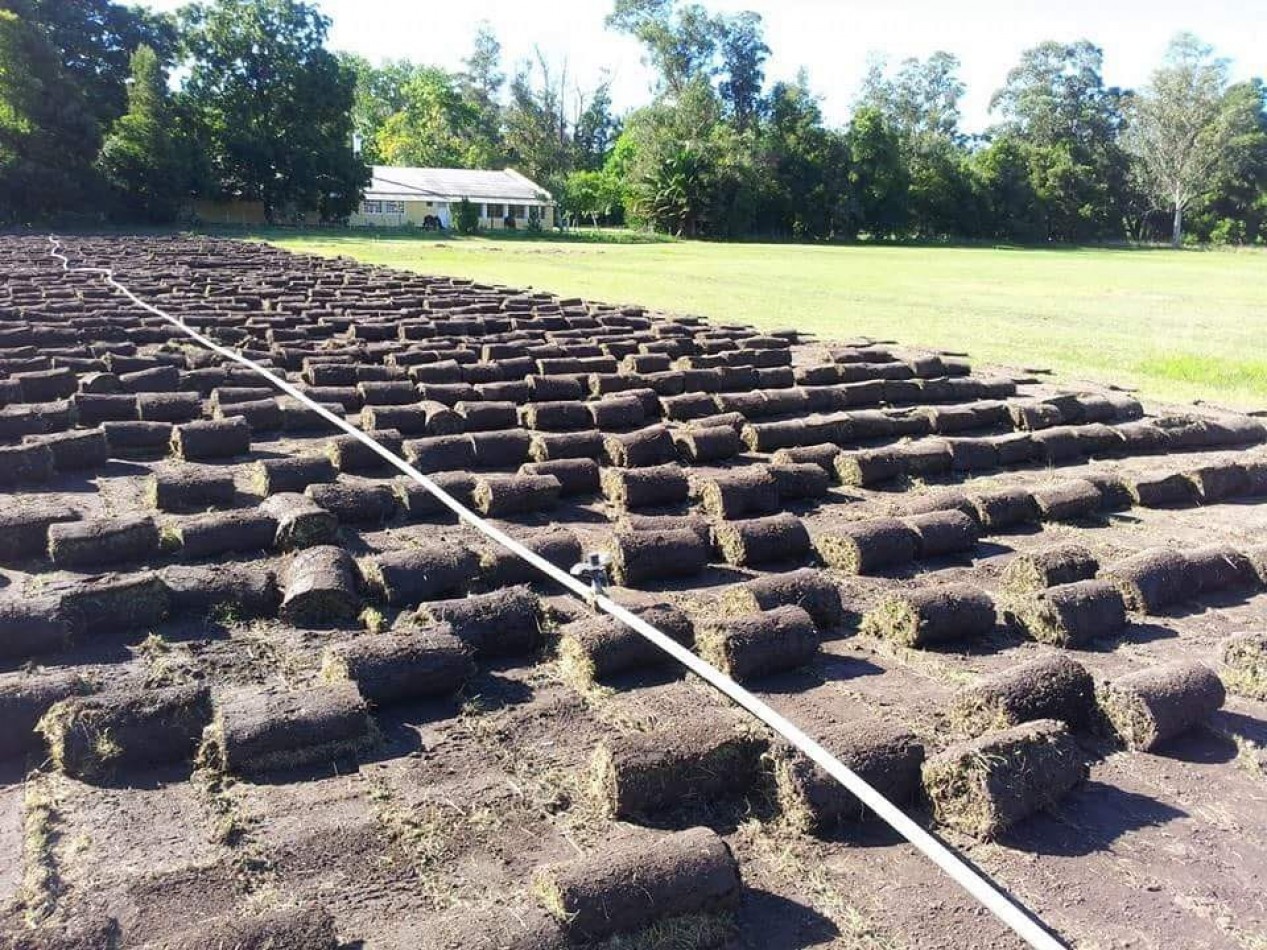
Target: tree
593 194
596 128
743 52
143 158
878 180
1057 110
380 92
48 135
466 217
1234 210
94 40
1182 126
482 84
436 127
536 128
681 42
274 106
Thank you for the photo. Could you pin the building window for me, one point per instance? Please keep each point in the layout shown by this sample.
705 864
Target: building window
371 207
516 211
495 211
393 207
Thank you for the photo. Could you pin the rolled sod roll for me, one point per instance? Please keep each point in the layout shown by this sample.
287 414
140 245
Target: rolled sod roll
869 467
941 533
505 622
739 493
407 420
428 570
301 522
823 455
576 476
599 647
944 500
321 588
641 448
440 453
499 567
231 590
1150 706
700 444
1221 567
77 451
1068 500
102 542
138 439
1059 444
504 448
349 454
1257 555
779 537
812 590
296 927
441 419
1244 658
192 488
92 737
885 756
419 502
696 522
1013 448
211 439
1152 581
746 647
1051 687
973 455
616 413
1071 615
25 698
927 458
651 487
1114 495
687 406
1002 508
800 480
401 667
32 626
93 409
502 495
24 530
641 773
771 436
1217 481
168 407
22 464
1062 564
270 476
556 416
919 618
1162 490
487 416
983 786
547 446
632 882
639 556
863 547
255 731
355 503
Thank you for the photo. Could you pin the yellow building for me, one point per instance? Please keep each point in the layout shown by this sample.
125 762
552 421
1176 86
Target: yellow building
412 197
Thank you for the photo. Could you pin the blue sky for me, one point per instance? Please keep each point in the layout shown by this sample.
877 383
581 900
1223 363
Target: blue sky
831 38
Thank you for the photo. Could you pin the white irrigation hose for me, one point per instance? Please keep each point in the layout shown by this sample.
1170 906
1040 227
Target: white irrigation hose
1003 907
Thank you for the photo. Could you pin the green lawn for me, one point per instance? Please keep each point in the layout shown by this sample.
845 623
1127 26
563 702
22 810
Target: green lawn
1179 325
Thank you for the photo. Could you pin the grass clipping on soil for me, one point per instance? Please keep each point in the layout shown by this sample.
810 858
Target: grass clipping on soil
1245 664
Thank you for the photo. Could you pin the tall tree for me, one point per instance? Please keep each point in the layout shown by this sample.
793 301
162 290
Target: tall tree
94 40
681 42
48 135
1182 126
436 126
596 128
878 178
380 93
482 84
144 158
274 104
1055 105
743 53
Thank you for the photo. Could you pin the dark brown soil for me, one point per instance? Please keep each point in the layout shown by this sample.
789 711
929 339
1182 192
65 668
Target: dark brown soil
404 814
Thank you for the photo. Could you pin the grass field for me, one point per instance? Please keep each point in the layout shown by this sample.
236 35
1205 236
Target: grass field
1178 325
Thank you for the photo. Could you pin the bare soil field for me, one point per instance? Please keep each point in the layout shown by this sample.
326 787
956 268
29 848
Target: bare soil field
257 690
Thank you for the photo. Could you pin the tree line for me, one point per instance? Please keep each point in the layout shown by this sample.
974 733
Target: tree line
90 124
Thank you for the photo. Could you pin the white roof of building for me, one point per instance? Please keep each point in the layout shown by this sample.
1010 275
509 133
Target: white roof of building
392 183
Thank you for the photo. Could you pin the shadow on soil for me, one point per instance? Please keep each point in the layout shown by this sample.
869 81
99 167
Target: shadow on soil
769 922
1089 820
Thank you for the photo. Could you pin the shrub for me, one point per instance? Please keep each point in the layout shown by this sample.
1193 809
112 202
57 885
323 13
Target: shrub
466 218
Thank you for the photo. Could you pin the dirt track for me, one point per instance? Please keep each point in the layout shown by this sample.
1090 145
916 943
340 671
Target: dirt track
406 823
